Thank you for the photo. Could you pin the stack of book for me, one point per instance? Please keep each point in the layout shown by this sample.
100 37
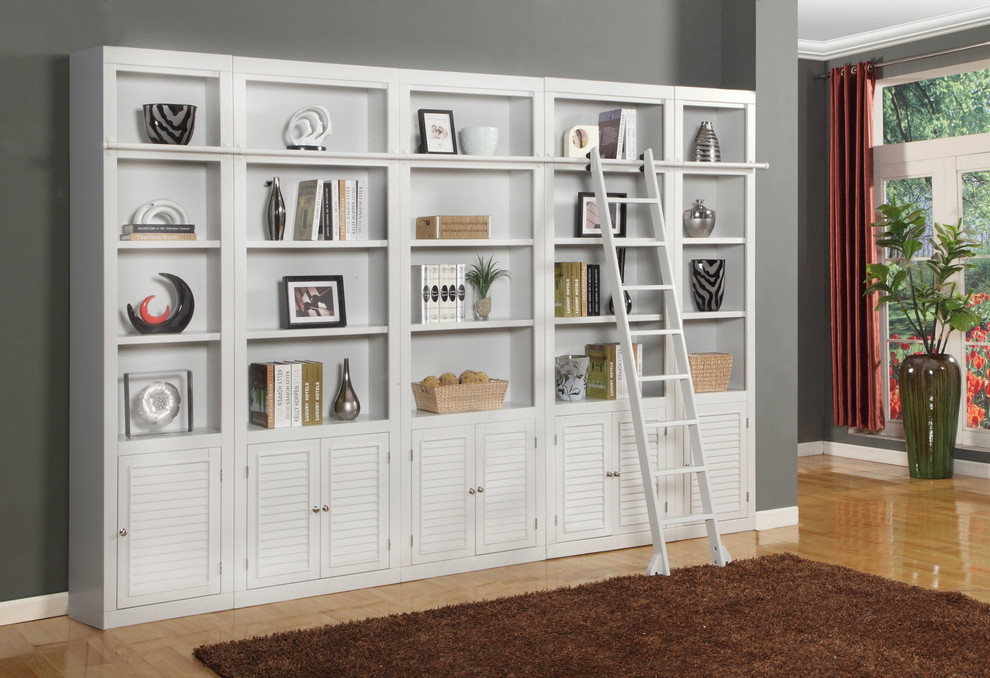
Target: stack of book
606 372
136 232
441 292
617 134
576 289
453 227
331 209
286 393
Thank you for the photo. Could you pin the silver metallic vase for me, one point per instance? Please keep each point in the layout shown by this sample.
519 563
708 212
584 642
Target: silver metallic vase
699 220
275 212
346 405
706 144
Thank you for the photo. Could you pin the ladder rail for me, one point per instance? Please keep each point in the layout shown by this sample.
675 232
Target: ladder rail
674 343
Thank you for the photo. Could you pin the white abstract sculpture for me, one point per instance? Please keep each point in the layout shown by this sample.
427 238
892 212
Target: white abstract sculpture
307 128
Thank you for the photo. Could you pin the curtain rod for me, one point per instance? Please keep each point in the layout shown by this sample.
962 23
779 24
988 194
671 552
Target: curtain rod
904 60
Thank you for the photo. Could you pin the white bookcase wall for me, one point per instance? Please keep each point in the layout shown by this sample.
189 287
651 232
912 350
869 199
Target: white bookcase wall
551 501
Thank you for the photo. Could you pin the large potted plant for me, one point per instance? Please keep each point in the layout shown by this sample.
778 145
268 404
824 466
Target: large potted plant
925 292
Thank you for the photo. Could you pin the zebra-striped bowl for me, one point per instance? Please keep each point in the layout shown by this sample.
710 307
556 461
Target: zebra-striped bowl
170 123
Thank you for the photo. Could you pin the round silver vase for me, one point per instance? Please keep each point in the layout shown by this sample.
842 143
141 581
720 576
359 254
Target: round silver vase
699 221
346 405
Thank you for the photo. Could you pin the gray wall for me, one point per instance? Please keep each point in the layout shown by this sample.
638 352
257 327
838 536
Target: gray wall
659 41
815 227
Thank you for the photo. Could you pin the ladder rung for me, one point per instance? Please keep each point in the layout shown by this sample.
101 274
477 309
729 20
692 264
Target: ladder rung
641 242
631 201
671 423
683 470
680 520
653 333
646 288
662 377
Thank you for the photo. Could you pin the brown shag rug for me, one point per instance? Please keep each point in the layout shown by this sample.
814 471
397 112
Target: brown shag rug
776 615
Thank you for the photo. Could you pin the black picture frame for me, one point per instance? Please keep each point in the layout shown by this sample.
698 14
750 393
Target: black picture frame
314 301
589 226
437 131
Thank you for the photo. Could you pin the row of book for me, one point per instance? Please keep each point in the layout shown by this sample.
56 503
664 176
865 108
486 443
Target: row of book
606 372
442 292
576 289
331 209
151 232
617 134
284 394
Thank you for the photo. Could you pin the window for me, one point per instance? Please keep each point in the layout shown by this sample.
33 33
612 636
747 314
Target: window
936 155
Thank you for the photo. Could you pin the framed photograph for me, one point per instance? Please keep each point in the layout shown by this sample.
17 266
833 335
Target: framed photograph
314 301
436 132
158 402
589 224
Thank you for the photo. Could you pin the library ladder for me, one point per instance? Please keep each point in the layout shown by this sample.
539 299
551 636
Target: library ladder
673 335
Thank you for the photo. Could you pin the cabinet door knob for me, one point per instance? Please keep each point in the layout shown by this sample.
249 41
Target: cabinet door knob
480 489
316 509
326 508
123 532
470 490
616 474
608 474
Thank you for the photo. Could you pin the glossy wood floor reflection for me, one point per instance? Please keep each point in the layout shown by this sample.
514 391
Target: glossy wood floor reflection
870 517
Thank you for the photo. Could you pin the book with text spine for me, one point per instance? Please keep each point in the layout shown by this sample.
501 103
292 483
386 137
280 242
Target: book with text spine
295 393
129 229
423 284
583 288
283 386
597 371
316 371
434 293
309 199
307 393
350 190
559 293
594 289
629 144
326 219
261 400
361 211
611 133
621 383
448 293
150 237
460 292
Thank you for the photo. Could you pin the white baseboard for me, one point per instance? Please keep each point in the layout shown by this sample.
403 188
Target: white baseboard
812 448
30 609
781 517
962 467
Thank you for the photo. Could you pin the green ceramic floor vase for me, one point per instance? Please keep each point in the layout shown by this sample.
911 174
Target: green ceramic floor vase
931 388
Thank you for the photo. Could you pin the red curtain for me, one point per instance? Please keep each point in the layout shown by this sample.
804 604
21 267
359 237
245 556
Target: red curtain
857 397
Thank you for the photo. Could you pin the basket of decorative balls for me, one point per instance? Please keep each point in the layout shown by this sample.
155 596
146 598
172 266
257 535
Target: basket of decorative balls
469 392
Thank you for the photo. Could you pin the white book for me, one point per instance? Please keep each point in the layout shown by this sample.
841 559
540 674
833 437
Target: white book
448 293
425 283
335 208
283 411
460 294
296 392
362 211
621 385
631 151
351 187
309 203
434 293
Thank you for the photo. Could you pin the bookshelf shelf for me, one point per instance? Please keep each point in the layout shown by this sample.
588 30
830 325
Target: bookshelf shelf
530 193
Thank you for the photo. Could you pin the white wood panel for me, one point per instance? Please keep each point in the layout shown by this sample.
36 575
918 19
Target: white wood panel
506 493
355 489
584 451
631 513
283 529
723 431
443 508
168 526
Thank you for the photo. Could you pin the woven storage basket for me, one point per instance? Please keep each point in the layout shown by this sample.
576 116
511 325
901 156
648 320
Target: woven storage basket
710 371
460 397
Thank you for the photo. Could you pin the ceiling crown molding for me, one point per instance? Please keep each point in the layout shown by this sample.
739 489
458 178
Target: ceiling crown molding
823 50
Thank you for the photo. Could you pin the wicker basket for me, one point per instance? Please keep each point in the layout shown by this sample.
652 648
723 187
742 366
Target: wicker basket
710 371
460 397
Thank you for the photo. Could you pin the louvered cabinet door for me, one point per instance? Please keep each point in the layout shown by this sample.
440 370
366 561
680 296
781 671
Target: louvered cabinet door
284 512
443 492
723 432
505 499
631 513
168 529
583 491
355 490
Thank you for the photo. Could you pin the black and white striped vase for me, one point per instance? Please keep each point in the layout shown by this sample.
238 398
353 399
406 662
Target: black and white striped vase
708 283
169 123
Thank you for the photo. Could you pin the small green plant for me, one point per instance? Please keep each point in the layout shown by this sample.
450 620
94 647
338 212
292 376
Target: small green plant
923 288
483 274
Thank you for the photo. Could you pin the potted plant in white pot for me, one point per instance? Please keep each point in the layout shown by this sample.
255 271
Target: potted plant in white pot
925 292
482 275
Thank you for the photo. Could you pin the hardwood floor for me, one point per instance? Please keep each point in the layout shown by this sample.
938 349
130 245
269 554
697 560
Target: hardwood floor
867 516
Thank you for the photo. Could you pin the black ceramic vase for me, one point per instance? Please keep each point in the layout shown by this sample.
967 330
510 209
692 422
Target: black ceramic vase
708 283
931 390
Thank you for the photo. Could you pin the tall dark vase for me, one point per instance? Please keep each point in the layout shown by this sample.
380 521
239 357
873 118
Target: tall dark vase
621 254
931 389
346 405
708 283
275 212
